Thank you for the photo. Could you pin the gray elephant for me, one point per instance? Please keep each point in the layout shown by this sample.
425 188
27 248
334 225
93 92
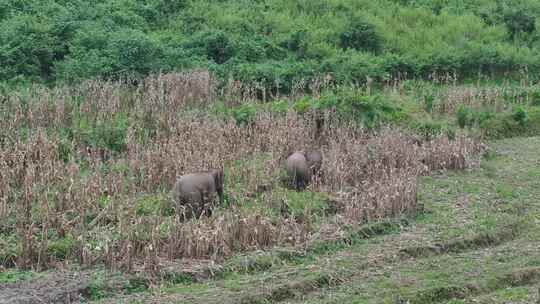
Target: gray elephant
301 166
195 193
314 159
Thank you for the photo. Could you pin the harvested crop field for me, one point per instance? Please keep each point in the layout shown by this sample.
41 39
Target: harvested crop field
476 241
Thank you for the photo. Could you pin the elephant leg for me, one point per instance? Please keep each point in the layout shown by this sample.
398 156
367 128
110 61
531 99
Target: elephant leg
300 184
184 211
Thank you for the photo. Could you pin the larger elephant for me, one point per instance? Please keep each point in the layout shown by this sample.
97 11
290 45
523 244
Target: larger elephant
195 193
302 166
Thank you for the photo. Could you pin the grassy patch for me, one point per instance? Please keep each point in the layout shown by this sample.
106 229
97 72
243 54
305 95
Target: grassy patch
14 276
104 284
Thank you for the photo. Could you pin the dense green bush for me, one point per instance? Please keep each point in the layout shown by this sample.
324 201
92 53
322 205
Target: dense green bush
519 21
467 117
62 248
215 45
244 114
535 97
520 116
463 115
268 42
360 36
109 135
369 110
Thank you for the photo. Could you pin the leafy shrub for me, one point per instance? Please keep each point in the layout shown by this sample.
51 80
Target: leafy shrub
156 11
520 116
520 122
110 135
14 276
216 45
370 111
135 285
360 36
480 117
279 106
154 205
10 249
62 248
297 42
428 102
95 51
519 21
65 149
303 105
257 48
244 114
28 48
463 115
535 97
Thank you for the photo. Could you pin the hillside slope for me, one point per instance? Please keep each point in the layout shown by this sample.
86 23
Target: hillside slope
271 42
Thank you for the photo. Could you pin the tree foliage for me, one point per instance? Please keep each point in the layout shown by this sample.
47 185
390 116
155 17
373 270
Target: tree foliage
268 41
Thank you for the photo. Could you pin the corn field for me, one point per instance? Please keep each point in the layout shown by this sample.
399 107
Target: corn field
64 197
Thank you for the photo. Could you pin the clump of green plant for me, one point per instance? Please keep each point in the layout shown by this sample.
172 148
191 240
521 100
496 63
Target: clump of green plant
429 102
135 284
467 117
154 205
520 116
534 96
463 115
279 106
104 284
62 248
369 110
14 276
302 105
520 122
360 36
244 114
106 134
519 21
301 203
10 249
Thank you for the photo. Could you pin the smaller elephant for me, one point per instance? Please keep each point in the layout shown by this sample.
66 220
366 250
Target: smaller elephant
301 166
195 193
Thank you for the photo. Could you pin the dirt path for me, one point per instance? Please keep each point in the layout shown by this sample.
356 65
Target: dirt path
53 287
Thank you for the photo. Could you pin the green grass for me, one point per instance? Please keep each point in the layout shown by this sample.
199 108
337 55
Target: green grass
14 276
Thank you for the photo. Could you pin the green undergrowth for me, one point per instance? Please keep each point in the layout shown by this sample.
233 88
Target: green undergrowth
104 284
409 109
15 275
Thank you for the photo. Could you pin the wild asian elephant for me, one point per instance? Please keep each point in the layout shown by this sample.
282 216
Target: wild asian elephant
302 166
195 193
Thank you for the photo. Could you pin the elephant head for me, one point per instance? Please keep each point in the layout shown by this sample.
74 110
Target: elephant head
314 160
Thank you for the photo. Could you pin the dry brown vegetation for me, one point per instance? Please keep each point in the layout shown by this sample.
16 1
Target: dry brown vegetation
66 199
